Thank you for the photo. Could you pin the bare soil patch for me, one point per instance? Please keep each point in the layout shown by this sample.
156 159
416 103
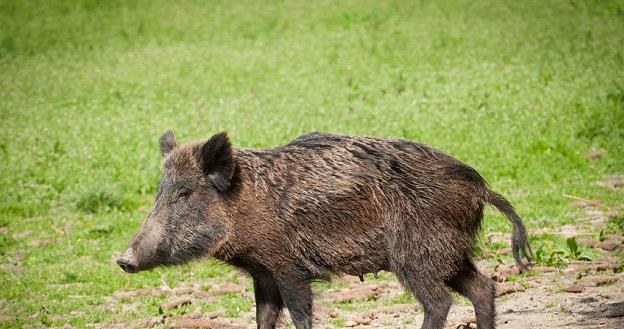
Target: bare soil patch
583 295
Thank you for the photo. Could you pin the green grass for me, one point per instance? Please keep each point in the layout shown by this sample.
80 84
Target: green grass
519 90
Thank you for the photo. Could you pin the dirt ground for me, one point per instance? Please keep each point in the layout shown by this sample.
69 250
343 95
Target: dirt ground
583 295
552 301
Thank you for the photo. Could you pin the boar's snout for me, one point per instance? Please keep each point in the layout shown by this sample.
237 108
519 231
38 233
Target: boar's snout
128 262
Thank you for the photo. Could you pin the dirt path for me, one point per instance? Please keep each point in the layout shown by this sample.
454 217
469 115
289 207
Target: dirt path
597 301
584 295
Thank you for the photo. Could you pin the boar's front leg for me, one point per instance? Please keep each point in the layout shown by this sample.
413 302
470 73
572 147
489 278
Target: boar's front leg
269 303
297 295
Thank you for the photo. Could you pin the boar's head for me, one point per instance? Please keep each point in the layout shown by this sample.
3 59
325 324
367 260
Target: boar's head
189 217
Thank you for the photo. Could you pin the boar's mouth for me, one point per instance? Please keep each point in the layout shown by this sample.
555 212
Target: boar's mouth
140 257
132 261
127 264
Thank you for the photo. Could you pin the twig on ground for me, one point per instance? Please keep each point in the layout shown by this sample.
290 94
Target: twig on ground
590 202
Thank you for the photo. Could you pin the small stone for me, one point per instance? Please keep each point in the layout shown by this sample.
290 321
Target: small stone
503 289
174 303
588 242
350 323
201 295
214 315
574 289
594 154
227 288
363 320
608 245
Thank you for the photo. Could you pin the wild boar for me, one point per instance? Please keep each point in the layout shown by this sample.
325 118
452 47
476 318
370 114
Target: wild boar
320 206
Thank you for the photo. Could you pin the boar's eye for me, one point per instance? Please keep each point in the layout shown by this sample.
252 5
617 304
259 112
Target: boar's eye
184 194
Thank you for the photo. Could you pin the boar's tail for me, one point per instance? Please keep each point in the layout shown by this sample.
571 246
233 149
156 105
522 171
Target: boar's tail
520 239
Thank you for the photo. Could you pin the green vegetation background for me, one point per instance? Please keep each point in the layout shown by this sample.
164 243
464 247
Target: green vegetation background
520 90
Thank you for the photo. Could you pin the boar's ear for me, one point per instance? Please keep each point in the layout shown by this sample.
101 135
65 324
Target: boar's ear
167 142
216 161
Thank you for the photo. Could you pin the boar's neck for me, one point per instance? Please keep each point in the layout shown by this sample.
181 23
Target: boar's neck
248 203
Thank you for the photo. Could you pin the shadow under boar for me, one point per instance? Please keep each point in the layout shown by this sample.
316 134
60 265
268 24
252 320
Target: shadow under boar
324 205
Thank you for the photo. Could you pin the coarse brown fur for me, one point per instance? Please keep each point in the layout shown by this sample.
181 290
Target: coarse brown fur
323 205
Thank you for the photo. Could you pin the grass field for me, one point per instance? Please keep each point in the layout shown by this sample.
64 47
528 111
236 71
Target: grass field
522 91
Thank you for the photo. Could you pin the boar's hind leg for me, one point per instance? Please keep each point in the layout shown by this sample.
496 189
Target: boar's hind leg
297 295
269 302
480 290
432 294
